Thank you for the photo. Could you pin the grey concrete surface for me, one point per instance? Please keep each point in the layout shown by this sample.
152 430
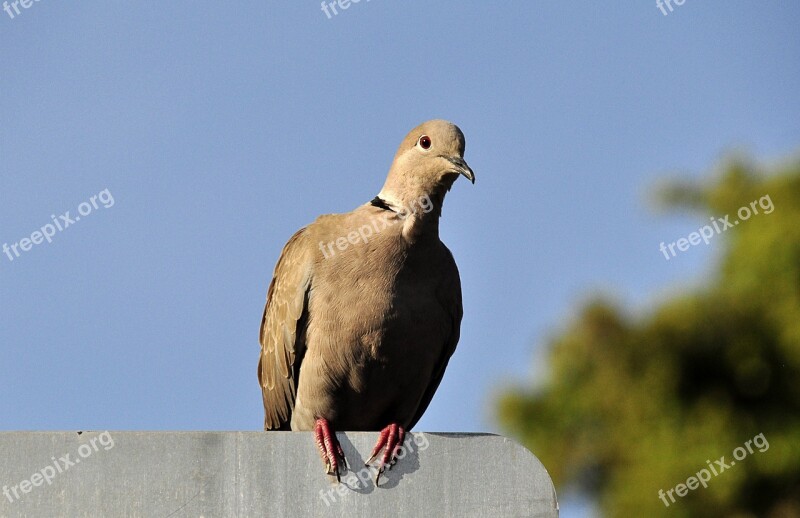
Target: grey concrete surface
275 474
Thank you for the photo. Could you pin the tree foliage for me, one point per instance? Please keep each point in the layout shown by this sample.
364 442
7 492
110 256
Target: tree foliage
634 405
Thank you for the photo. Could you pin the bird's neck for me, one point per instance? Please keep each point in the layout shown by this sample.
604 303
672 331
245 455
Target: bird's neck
419 212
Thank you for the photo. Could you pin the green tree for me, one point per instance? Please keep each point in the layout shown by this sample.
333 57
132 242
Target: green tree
634 405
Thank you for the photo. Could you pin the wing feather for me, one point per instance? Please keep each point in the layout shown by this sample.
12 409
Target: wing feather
282 334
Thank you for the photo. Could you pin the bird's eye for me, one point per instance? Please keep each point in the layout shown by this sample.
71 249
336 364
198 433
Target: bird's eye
424 142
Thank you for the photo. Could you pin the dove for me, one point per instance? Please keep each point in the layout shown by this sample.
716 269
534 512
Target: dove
364 308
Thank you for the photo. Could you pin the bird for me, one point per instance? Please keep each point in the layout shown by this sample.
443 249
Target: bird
364 308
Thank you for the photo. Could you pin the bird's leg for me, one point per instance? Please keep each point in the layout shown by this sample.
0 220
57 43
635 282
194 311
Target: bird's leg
390 441
329 448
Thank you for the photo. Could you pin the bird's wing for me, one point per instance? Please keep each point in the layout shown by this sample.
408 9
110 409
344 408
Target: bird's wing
283 327
449 295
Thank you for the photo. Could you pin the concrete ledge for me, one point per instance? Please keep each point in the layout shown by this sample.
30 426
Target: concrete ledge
227 474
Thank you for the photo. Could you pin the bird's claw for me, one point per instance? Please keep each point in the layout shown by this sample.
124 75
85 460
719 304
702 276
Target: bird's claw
390 441
329 449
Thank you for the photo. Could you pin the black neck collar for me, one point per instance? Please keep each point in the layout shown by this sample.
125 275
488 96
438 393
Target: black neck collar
377 201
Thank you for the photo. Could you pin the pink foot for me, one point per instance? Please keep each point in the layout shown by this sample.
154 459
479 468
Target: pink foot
329 448
390 441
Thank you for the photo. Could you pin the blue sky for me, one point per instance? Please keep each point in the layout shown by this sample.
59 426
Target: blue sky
220 129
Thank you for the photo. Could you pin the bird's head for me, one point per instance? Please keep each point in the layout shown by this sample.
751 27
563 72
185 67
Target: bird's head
429 160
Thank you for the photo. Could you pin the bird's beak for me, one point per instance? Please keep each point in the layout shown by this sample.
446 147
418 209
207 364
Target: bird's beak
461 167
